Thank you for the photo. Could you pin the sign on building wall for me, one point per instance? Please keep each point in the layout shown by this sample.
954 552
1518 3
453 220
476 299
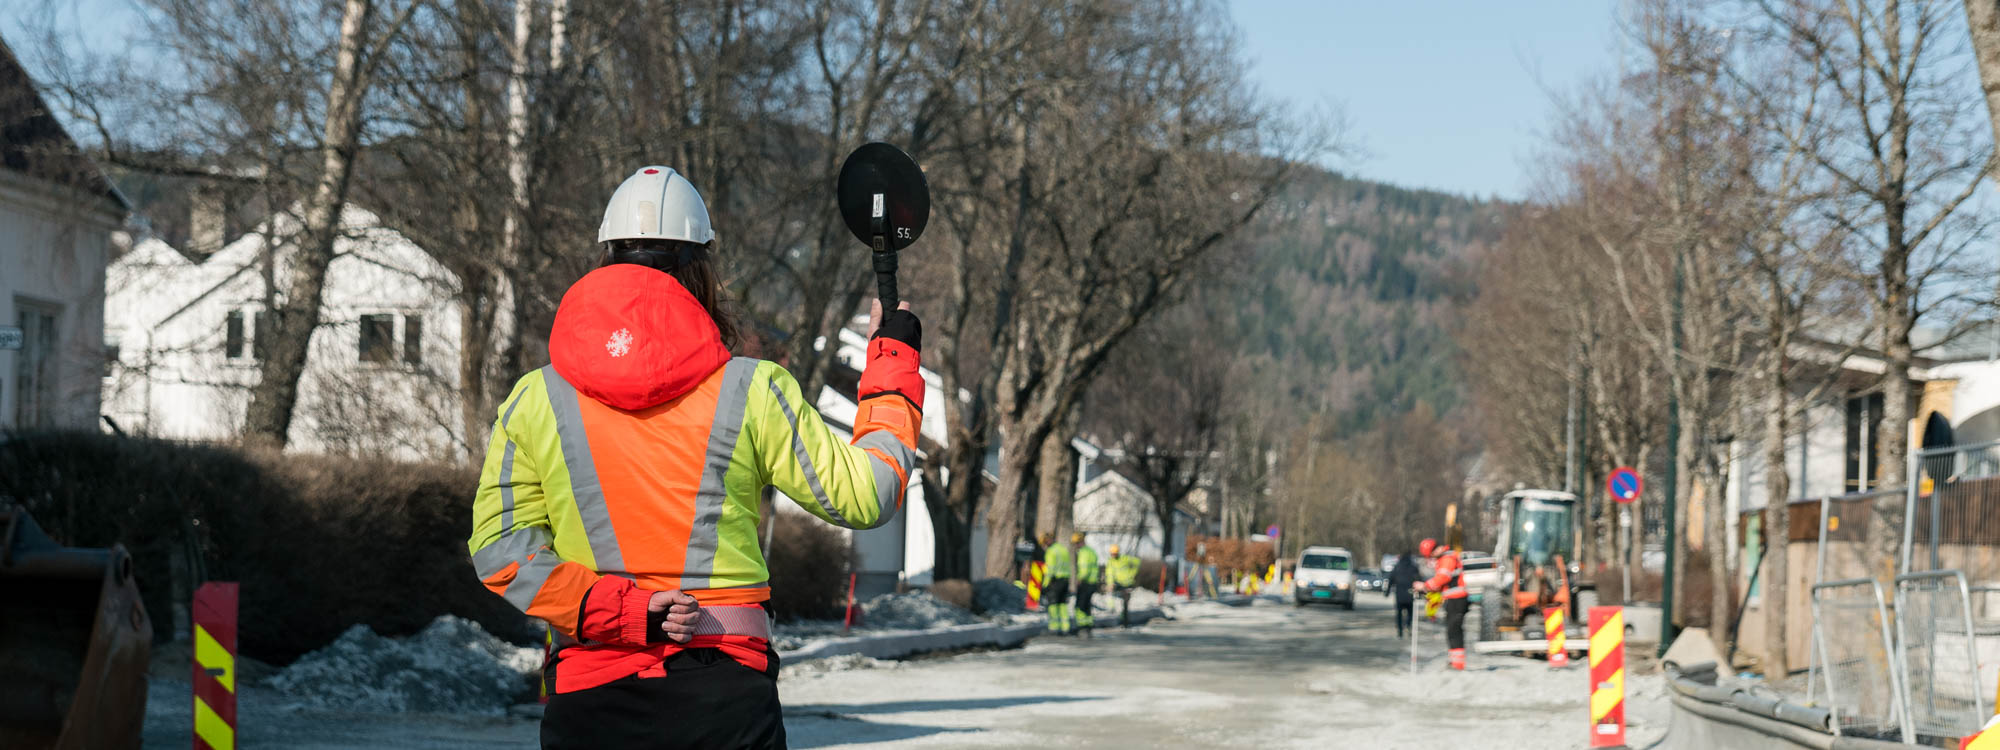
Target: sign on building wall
10 337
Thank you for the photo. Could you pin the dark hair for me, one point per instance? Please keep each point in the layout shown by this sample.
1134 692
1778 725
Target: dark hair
690 263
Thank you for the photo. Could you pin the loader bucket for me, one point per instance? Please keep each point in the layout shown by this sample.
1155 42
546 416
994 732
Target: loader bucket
74 642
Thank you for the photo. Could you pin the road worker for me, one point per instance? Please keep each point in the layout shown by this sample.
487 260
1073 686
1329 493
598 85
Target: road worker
1450 583
1124 573
1088 580
619 500
1059 569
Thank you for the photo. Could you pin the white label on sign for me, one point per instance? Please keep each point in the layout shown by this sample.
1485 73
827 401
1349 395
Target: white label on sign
11 338
878 206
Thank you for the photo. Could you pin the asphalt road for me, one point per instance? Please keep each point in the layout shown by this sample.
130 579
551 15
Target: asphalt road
1266 676
1263 676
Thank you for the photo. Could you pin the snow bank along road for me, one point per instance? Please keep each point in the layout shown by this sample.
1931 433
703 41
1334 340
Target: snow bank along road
1266 676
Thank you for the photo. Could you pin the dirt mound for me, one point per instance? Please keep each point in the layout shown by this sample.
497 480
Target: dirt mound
998 596
913 611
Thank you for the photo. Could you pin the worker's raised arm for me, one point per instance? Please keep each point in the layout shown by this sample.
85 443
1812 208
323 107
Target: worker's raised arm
857 485
513 542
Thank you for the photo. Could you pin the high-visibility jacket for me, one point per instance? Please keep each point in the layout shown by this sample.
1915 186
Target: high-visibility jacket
635 462
1056 559
1450 578
1086 565
1124 570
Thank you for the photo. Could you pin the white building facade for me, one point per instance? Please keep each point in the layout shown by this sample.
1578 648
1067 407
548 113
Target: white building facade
381 376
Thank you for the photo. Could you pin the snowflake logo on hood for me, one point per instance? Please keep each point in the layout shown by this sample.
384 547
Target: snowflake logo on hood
620 343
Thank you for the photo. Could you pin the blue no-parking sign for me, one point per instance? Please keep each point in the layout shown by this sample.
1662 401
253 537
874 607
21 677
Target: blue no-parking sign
1624 484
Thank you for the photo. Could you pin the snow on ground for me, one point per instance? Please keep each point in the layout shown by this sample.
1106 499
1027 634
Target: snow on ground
452 666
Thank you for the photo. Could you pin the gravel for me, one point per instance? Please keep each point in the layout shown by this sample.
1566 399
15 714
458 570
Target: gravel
452 666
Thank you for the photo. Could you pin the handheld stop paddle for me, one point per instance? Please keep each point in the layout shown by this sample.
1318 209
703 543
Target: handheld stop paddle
885 202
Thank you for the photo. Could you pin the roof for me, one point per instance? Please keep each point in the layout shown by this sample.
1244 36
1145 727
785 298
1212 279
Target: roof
33 143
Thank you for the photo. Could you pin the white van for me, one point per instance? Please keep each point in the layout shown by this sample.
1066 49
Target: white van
1324 574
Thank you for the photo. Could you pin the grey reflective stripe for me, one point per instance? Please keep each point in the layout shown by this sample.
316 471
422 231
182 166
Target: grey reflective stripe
710 499
805 460
888 488
583 473
513 546
507 465
529 579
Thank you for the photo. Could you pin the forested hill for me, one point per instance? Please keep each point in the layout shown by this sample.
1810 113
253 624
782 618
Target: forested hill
1353 292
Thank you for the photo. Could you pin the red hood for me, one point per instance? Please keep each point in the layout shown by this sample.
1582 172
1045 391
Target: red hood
633 337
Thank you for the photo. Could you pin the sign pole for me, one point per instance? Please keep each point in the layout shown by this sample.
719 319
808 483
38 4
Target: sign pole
1624 486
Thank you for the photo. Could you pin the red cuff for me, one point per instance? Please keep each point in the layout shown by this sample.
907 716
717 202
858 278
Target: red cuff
892 366
615 612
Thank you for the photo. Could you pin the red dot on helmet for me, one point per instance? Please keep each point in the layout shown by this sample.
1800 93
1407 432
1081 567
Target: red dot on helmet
652 171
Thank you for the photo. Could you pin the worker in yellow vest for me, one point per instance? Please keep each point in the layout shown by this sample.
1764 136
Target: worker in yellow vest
1056 564
1088 581
1124 572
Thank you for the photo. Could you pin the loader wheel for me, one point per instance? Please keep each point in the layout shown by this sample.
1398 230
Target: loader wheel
1489 618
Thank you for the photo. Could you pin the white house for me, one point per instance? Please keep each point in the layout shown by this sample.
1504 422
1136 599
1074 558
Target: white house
381 372
1114 509
57 215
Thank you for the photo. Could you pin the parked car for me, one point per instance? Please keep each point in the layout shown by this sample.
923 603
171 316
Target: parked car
1369 579
1482 572
1324 574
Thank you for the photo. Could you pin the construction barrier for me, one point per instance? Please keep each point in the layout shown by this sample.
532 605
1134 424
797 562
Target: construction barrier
1862 689
1938 655
1607 676
1036 576
215 666
1552 627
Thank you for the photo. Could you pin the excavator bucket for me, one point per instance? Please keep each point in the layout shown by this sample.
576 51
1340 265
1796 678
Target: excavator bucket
74 642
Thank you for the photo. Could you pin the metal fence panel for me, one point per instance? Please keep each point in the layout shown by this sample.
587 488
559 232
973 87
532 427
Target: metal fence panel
1842 554
1863 691
1954 512
1937 654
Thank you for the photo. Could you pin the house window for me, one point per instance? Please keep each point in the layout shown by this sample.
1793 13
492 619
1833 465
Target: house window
378 338
233 336
34 367
413 339
1864 416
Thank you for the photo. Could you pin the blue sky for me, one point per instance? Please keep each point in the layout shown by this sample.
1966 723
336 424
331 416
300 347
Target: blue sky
1445 94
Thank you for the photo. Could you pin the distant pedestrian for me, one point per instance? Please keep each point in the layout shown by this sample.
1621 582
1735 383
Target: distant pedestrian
1402 583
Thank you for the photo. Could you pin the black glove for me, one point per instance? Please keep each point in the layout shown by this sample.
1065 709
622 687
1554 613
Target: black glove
902 325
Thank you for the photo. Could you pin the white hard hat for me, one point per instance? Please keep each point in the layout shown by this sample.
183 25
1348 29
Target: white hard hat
656 203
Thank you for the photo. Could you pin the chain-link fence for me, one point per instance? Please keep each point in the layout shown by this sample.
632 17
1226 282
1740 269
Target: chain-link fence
1937 654
1954 512
1861 688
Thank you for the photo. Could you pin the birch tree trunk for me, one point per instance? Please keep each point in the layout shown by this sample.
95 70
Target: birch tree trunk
269 417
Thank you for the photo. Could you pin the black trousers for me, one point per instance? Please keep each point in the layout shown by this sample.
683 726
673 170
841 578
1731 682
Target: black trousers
1056 591
1084 593
1454 621
1406 608
707 700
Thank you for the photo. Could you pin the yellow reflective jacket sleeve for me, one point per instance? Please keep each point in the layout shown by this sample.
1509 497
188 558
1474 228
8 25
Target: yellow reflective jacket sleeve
857 486
512 541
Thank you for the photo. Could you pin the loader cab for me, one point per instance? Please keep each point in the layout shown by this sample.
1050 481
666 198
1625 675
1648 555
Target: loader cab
1539 526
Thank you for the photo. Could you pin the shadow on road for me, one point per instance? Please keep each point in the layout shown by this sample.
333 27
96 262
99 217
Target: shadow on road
968 704
825 729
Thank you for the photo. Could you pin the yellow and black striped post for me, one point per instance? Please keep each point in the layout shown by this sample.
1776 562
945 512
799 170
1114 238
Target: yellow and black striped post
215 666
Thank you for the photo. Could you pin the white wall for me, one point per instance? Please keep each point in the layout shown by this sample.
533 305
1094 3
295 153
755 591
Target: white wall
174 378
54 244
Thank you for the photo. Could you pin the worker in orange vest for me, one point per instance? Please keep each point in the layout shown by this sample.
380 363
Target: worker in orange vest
1450 582
620 498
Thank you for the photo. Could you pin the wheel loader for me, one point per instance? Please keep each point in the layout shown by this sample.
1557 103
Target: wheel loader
1535 542
74 642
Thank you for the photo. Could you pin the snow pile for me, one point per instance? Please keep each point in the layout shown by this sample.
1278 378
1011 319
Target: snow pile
452 666
913 611
1141 599
998 596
